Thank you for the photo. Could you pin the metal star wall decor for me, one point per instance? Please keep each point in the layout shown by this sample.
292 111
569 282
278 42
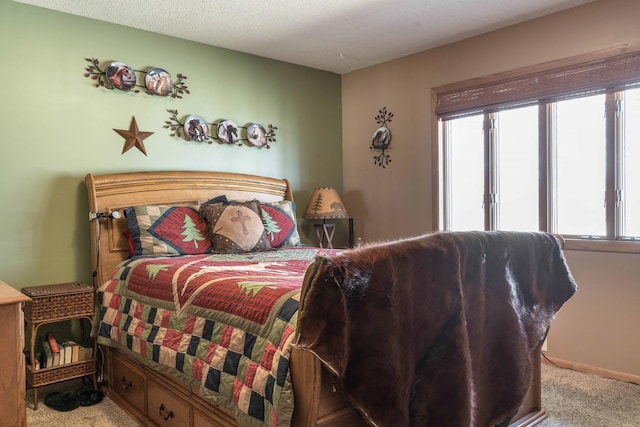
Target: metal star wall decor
133 137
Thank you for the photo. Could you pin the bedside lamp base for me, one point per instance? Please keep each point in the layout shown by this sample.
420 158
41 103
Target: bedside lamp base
325 232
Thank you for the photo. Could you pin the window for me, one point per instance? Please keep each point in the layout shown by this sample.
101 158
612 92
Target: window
580 153
549 148
466 156
517 169
631 165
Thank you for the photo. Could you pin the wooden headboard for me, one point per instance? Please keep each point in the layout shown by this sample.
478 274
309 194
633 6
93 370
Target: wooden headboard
115 192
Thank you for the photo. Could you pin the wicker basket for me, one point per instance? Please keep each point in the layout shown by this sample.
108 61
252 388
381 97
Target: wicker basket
54 374
59 301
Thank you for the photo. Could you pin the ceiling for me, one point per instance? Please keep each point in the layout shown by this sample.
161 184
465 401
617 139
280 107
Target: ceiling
332 35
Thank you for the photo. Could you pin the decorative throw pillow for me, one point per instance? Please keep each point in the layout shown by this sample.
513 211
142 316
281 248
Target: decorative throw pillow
167 230
235 227
279 220
217 199
132 245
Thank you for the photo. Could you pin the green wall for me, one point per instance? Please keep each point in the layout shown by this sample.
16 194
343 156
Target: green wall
56 127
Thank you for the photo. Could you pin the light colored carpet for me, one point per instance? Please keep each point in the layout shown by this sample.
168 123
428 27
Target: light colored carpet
572 399
575 399
103 414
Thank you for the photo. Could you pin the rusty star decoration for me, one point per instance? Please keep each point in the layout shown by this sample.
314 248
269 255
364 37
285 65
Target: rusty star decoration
133 137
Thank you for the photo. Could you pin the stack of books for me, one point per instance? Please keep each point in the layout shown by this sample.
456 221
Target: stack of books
61 352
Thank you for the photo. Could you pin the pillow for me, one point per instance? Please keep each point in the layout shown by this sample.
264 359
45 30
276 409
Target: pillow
235 227
217 199
167 230
279 220
132 245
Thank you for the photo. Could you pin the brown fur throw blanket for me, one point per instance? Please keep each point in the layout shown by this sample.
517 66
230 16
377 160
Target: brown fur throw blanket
437 330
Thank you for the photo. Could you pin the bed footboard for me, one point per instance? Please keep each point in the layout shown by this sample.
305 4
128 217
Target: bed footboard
320 402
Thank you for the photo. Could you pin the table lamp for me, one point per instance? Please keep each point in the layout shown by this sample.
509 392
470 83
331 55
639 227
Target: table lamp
324 204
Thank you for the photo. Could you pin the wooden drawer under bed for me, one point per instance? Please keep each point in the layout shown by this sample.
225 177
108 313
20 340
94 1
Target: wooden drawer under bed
153 399
165 407
128 383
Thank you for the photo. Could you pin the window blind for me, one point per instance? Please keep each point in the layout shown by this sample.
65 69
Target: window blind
555 81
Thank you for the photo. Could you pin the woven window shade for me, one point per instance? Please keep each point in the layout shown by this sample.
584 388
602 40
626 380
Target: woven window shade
553 82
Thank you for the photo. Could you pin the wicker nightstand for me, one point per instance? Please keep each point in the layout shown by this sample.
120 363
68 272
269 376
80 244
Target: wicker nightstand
51 304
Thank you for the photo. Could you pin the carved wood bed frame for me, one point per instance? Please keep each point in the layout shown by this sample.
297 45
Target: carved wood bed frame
318 401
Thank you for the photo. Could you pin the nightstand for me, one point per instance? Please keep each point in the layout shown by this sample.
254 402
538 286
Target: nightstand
52 304
325 231
12 386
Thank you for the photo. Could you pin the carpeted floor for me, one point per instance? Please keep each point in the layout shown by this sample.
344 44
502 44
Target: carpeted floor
572 399
575 399
104 414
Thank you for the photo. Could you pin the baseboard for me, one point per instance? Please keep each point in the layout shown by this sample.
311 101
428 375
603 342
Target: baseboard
594 370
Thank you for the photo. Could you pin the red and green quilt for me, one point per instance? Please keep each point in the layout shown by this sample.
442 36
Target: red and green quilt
226 321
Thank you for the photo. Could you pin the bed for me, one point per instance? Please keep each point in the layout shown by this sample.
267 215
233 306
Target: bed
156 385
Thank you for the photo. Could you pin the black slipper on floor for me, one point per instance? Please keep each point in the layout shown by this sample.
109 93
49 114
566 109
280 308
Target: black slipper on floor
63 402
89 397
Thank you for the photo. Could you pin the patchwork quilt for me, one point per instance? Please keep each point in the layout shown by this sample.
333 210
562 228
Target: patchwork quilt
225 321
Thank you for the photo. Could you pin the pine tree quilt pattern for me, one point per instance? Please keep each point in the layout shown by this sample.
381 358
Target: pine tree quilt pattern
225 321
167 230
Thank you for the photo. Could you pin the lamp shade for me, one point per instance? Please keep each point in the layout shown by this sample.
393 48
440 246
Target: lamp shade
325 203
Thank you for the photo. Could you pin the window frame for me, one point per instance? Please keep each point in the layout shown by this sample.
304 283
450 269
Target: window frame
614 240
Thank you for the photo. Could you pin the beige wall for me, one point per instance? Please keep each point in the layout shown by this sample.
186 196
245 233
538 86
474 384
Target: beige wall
600 325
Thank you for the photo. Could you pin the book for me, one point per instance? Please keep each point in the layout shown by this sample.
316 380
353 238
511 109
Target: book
68 348
47 357
74 353
34 362
85 353
55 349
52 342
65 353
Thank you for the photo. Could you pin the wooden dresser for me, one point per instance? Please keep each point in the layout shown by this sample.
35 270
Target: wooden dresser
12 381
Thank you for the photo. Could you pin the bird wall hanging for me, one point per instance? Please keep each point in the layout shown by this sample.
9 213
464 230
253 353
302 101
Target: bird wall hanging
382 138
